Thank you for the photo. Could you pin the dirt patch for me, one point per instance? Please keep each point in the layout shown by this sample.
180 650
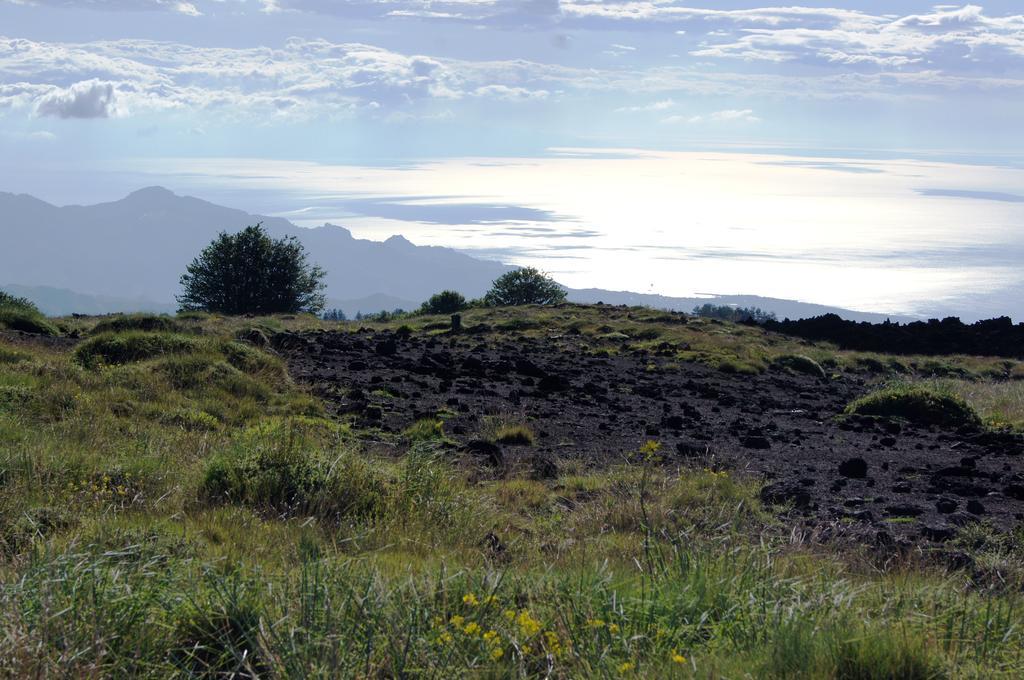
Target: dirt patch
877 478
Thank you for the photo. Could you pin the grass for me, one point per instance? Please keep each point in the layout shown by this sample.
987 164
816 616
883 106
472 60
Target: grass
172 505
918 404
122 348
119 323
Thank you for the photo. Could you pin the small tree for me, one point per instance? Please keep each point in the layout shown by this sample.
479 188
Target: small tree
251 273
334 315
526 286
445 302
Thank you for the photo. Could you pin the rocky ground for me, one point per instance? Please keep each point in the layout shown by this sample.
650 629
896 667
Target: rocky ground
879 480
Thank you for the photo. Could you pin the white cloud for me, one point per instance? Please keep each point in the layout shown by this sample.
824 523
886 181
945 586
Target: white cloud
726 116
85 99
662 105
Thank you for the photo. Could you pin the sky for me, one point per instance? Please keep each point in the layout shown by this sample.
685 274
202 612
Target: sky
476 100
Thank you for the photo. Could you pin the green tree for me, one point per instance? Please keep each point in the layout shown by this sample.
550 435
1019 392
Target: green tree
252 273
526 286
445 302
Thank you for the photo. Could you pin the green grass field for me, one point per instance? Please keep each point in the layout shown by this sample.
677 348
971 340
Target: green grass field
172 504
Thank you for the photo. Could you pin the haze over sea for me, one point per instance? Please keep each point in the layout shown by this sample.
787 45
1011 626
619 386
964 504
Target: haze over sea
926 237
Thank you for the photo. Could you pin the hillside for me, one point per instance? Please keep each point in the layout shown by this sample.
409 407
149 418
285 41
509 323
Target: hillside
571 491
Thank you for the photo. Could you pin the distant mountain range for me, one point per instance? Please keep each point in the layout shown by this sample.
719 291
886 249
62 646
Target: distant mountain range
128 255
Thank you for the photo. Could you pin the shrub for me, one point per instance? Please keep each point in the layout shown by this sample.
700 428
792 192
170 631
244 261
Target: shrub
445 302
9 301
527 286
735 314
251 273
123 348
800 364
121 323
919 405
17 319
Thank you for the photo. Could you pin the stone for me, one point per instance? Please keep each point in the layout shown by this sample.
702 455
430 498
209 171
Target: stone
854 468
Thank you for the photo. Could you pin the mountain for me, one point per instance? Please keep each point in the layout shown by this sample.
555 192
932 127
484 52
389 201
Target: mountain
63 302
129 254
139 246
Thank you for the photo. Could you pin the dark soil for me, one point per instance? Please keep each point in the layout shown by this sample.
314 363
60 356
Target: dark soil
877 479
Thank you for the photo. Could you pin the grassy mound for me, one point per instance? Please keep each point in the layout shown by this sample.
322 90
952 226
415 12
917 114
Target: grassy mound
278 469
21 314
151 323
9 301
124 348
799 363
919 405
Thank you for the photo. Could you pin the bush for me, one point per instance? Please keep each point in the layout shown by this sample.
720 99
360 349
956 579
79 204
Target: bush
800 364
121 323
251 273
445 302
16 319
9 301
123 348
918 405
734 314
527 286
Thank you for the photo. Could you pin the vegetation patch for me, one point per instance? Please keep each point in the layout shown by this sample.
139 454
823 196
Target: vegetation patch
26 321
425 429
916 404
514 435
124 348
799 363
151 323
279 474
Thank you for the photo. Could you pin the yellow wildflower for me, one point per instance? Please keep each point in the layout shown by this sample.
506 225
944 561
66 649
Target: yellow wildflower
444 638
457 621
497 653
470 599
678 658
527 624
510 615
595 623
490 635
613 628
627 667
472 628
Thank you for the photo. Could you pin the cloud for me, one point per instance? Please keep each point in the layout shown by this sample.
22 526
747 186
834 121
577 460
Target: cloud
662 105
726 116
301 79
187 8
86 99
